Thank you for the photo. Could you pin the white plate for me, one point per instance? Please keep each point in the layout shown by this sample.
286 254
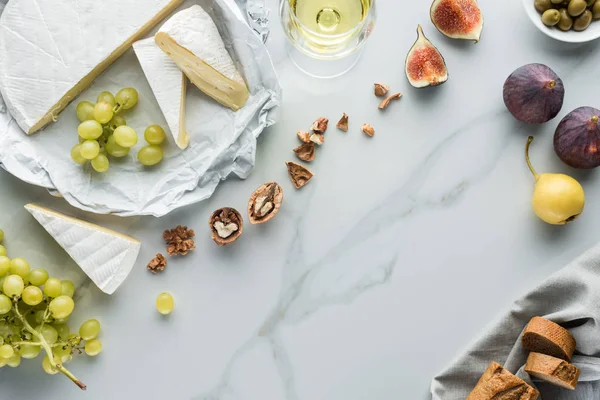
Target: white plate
591 33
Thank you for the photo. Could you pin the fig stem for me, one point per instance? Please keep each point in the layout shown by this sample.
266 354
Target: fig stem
551 84
535 174
595 119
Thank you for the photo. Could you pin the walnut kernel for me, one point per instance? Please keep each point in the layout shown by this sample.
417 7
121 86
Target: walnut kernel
179 240
306 151
299 174
317 138
264 203
226 225
343 123
303 136
381 89
320 125
368 129
157 264
386 102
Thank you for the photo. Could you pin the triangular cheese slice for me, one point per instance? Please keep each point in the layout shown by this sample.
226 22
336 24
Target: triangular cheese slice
106 256
168 84
191 39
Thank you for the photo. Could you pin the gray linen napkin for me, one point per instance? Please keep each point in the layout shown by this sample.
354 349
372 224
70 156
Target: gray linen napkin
571 298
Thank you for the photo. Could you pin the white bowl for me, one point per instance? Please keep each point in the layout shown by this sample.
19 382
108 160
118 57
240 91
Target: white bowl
591 33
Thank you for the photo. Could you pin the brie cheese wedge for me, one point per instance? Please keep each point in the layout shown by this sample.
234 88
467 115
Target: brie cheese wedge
106 256
191 39
50 51
168 84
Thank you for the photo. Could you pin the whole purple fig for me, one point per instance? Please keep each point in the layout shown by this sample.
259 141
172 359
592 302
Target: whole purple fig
577 138
534 93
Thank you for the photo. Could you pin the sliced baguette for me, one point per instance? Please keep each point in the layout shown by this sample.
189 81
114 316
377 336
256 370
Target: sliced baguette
546 337
552 370
497 383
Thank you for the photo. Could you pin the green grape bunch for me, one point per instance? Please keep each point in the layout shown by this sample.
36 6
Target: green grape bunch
34 313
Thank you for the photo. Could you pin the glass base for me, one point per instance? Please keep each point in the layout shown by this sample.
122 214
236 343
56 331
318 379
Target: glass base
319 68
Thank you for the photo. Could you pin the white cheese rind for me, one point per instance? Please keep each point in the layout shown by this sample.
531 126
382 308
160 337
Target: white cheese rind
50 51
106 256
168 84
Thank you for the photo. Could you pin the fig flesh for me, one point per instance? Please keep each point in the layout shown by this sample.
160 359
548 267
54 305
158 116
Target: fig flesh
577 138
425 66
534 94
457 19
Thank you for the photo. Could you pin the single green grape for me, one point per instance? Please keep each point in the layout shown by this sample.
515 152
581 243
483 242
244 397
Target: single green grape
32 295
4 265
14 361
150 155
38 276
13 285
48 368
1 235
29 351
89 329
76 154
19 266
93 347
85 111
48 332
100 163
90 130
165 303
5 304
63 331
125 136
63 351
155 134
126 98
107 97
89 149
52 287
2 250
114 149
117 121
38 316
103 112
6 351
68 288
61 307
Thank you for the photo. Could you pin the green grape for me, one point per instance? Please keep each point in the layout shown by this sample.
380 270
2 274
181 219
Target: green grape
107 97
117 121
6 351
1 235
155 134
89 149
93 347
38 316
2 250
5 304
4 265
126 98
48 332
14 361
52 287
62 351
125 136
89 329
63 330
150 155
13 285
85 111
90 130
76 155
68 288
32 295
103 112
60 321
165 303
38 276
100 163
48 368
19 266
114 149
61 307
29 351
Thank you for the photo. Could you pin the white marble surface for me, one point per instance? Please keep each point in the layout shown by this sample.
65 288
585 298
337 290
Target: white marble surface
372 277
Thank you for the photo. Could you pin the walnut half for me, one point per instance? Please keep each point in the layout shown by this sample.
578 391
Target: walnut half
299 174
226 225
265 203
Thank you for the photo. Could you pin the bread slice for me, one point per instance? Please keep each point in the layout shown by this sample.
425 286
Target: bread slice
546 337
497 383
553 370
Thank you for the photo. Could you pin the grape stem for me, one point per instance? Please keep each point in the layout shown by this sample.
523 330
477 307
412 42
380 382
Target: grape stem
47 348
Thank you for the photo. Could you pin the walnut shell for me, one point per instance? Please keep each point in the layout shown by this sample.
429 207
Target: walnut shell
299 174
226 216
264 203
305 152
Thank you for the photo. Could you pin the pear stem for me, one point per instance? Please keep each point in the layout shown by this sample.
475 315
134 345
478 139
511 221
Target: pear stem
535 174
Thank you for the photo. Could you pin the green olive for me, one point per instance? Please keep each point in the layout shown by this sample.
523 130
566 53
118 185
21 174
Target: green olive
551 17
543 5
583 21
596 10
576 7
590 2
566 22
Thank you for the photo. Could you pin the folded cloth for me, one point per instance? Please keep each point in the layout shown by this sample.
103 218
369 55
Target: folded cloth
571 298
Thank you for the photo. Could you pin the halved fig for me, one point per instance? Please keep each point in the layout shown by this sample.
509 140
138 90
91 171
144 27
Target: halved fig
457 19
425 66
